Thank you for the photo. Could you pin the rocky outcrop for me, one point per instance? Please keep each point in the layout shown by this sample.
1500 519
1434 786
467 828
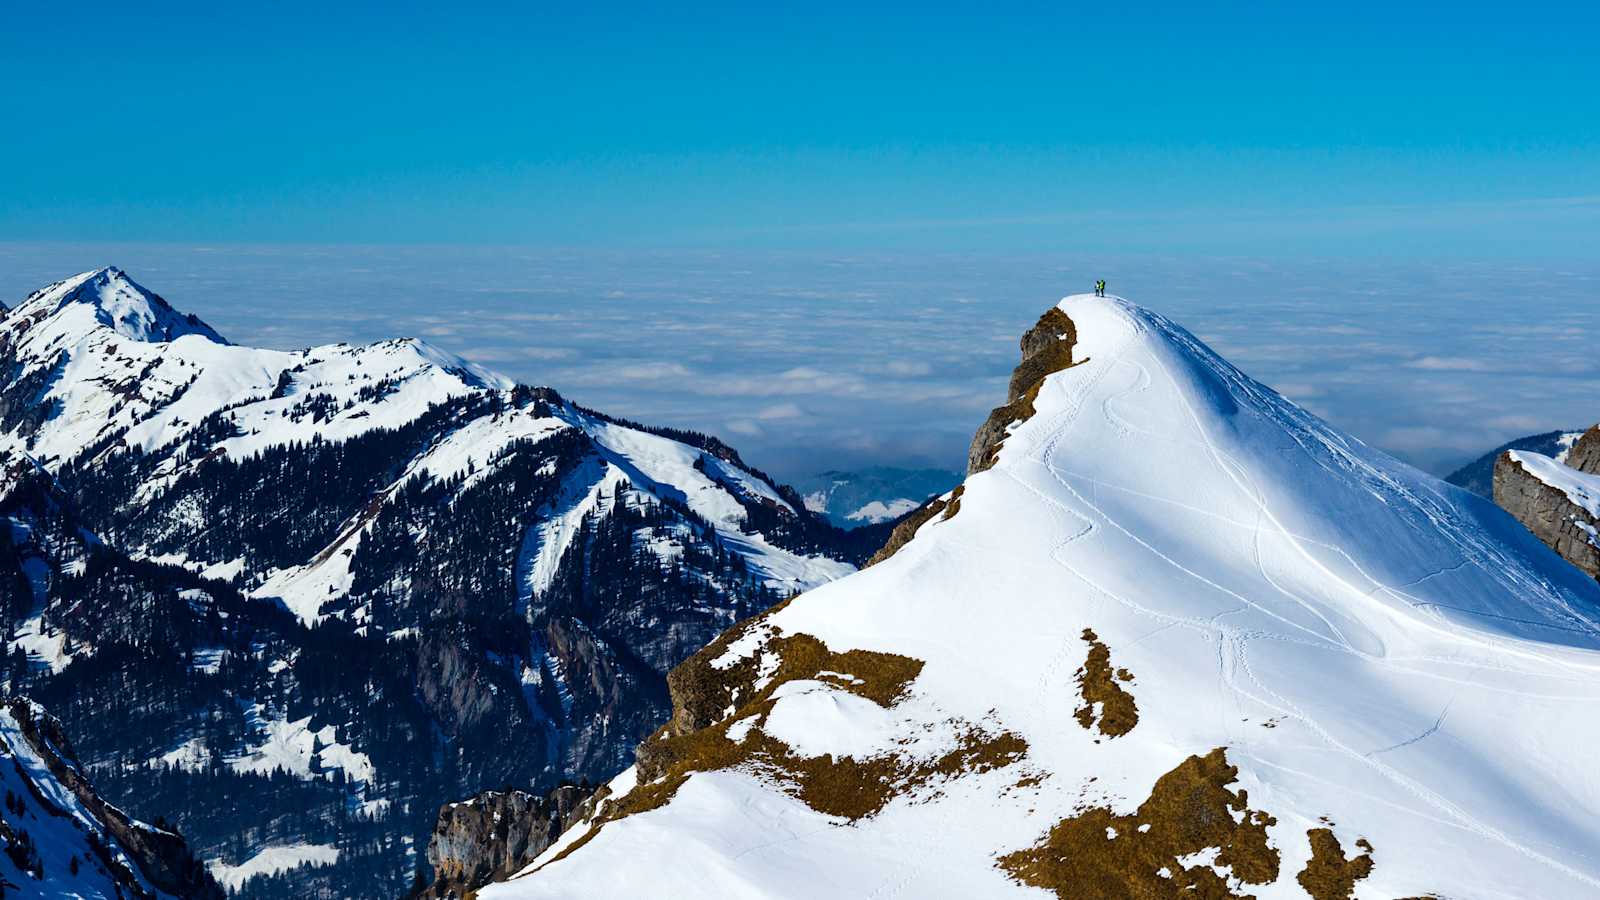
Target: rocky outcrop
1046 348
1478 476
1547 511
495 834
1585 454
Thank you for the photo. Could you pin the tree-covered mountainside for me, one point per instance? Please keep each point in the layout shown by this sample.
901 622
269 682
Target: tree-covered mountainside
295 601
60 838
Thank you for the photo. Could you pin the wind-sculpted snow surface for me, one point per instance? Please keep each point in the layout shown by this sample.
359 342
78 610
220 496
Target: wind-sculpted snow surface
1343 655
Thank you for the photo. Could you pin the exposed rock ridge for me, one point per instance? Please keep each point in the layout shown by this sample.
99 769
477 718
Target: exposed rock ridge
1567 528
1046 348
1585 454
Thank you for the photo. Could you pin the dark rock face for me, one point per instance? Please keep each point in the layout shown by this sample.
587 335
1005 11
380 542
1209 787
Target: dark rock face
161 856
1046 348
495 834
1563 525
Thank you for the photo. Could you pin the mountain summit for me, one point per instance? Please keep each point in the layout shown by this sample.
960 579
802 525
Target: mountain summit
115 301
342 586
1174 636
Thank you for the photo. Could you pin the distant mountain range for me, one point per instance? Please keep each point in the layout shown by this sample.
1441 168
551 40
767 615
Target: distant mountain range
294 601
872 496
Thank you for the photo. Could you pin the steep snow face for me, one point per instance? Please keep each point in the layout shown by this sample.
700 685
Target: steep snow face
1379 654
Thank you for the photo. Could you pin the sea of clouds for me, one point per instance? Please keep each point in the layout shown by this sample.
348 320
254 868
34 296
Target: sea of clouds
817 360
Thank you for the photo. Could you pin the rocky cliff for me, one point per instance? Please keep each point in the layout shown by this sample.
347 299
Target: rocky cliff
493 835
1559 503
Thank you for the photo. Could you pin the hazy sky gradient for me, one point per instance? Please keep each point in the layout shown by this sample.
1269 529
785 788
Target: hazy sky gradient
1260 130
819 230
807 361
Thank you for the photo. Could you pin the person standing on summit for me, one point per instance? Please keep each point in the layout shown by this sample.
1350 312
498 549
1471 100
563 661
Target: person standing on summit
1100 288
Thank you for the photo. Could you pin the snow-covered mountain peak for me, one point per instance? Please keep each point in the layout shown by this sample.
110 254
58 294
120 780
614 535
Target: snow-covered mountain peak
470 372
1162 582
107 297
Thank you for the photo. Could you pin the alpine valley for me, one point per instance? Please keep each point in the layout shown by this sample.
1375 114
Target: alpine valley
292 603
1172 637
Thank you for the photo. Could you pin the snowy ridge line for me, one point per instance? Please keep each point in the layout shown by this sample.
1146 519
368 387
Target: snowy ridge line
1366 646
1229 637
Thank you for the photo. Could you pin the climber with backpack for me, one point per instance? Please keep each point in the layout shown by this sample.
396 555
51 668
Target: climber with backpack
1100 288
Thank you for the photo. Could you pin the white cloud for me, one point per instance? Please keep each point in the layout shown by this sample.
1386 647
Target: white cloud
1449 364
1296 390
907 369
781 411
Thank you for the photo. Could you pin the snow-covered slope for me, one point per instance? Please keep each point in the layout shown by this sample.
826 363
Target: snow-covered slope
61 840
101 365
435 565
1182 638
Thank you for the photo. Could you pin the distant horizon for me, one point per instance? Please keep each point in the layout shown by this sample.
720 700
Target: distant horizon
809 361
818 232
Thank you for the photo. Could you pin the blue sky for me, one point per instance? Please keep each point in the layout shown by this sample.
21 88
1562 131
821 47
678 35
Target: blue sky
1465 128
818 230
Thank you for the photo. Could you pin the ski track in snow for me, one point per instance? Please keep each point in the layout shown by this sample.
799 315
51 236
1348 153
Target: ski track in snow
1233 642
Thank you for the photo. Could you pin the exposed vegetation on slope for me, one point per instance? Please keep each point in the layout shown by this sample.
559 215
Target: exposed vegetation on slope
1328 875
1106 704
1099 855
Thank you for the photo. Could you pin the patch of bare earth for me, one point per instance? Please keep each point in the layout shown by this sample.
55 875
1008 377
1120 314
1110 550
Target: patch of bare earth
1099 855
1105 705
710 695
1328 875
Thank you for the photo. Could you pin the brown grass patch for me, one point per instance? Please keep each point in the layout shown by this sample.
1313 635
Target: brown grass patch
954 505
1098 855
1328 875
1097 684
697 740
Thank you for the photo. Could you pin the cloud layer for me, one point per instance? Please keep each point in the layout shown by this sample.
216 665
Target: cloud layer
815 361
